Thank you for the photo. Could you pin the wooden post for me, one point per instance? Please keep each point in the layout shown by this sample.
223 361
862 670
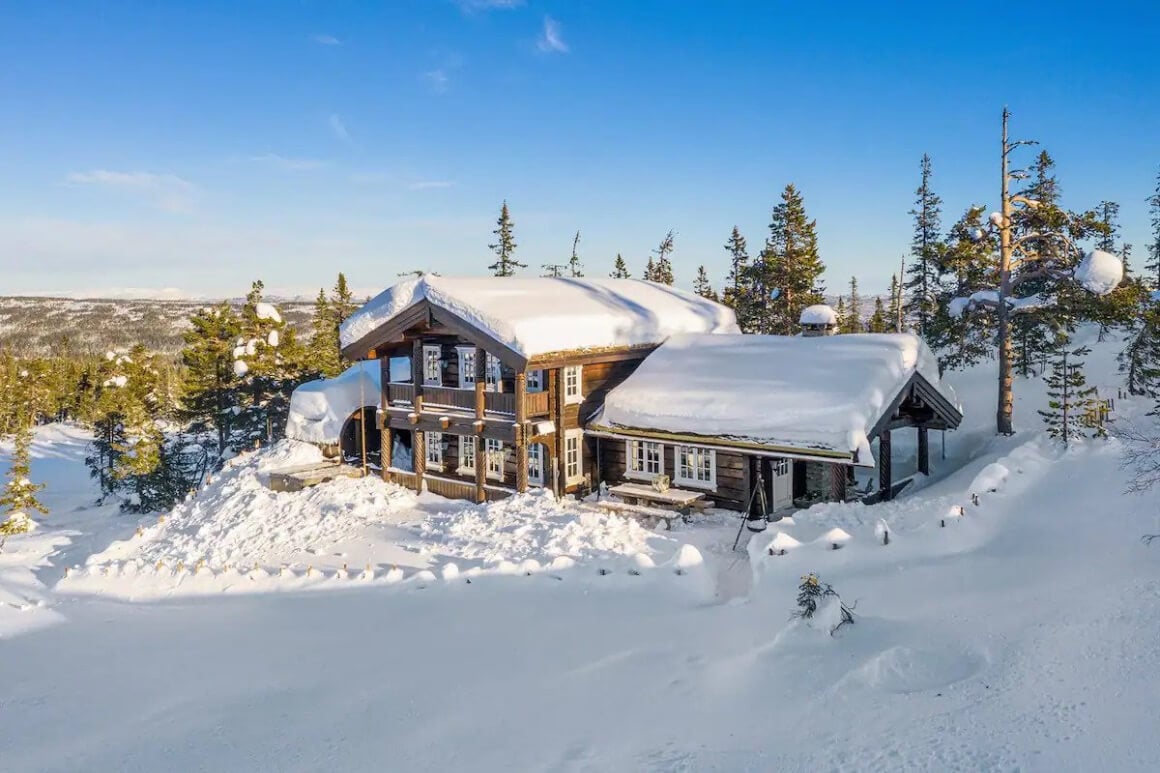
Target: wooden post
556 413
885 482
386 450
837 483
521 435
477 438
923 451
419 456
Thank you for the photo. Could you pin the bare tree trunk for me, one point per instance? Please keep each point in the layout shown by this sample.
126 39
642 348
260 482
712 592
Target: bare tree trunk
1004 424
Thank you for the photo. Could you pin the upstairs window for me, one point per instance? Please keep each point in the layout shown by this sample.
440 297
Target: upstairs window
535 381
572 381
466 366
432 366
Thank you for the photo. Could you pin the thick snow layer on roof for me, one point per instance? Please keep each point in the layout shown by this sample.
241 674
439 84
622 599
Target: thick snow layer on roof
818 314
822 393
538 315
319 409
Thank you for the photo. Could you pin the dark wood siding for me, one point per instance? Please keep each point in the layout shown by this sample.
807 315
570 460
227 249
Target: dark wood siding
732 491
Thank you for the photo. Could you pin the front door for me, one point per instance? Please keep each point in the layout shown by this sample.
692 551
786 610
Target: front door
781 484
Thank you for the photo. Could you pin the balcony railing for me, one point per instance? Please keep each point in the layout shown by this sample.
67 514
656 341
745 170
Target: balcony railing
536 403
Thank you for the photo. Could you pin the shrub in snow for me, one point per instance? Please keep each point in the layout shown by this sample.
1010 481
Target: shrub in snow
814 594
18 497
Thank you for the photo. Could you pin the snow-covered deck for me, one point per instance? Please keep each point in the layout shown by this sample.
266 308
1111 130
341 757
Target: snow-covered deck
819 395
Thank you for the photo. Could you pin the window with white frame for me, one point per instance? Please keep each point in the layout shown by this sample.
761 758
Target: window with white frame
466 454
434 450
432 368
493 374
572 376
696 467
573 456
535 381
645 458
536 464
781 466
495 456
466 366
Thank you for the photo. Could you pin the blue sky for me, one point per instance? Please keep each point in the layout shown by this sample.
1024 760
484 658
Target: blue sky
202 145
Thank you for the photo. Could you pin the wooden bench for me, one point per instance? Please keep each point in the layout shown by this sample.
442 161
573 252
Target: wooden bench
673 500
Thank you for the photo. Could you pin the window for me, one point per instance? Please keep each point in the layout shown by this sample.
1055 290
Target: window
781 466
466 366
645 459
535 381
434 450
495 456
432 370
696 467
572 380
467 369
573 456
466 455
536 464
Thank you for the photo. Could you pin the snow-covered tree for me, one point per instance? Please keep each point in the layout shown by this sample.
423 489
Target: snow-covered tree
619 268
505 245
813 593
968 261
18 500
1153 264
1140 359
926 250
702 286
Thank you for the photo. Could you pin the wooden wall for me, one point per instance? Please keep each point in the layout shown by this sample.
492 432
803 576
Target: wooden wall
732 490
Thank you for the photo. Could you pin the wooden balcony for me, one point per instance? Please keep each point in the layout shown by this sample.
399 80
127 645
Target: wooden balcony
536 403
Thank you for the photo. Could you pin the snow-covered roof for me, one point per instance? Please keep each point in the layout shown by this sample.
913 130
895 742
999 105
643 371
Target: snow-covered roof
539 315
812 394
319 409
818 314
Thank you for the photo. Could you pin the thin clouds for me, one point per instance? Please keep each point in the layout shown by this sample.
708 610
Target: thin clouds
429 185
551 41
339 128
437 79
287 163
472 6
167 192
326 40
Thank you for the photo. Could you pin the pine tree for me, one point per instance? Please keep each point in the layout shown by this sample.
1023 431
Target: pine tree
619 268
965 339
18 499
738 292
650 270
1153 265
1069 397
323 350
662 271
786 277
842 315
1140 360
926 249
878 321
342 303
702 286
854 311
575 267
505 245
211 399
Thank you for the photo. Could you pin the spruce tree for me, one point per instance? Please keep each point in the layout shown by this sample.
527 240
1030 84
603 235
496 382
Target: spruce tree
878 322
650 270
738 292
342 302
18 499
663 268
619 268
505 245
926 249
702 286
1140 360
966 339
843 315
323 350
854 311
1153 264
575 267
895 310
1069 397
786 277
211 398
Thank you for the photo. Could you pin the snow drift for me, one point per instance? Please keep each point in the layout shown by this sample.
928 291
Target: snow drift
319 409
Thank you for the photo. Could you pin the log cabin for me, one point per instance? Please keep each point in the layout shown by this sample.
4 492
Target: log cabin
487 383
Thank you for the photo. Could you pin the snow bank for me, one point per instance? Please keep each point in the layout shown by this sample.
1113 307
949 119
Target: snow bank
990 478
319 409
535 526
823 393
267 311
538 315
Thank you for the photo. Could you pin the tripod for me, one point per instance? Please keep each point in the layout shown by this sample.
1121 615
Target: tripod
749 520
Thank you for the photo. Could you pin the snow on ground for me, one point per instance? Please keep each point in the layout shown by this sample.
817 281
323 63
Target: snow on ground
1023 634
